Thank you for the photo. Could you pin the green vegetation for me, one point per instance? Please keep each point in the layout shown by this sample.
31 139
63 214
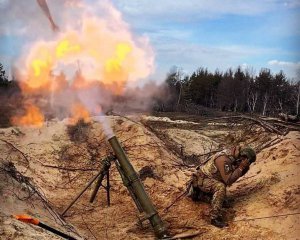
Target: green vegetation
234 90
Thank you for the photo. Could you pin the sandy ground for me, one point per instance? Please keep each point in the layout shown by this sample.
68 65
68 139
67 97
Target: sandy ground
269 193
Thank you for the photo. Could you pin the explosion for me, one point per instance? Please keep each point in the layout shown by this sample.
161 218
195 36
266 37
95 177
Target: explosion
92 55
32 117
79 112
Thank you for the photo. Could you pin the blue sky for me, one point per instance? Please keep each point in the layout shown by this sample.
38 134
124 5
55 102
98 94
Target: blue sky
219 34
200 33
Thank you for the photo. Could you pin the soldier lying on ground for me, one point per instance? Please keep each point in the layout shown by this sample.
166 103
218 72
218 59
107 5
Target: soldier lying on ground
221 170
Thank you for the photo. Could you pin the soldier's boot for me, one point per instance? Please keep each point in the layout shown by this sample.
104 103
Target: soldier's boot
218 222
194 193
227 203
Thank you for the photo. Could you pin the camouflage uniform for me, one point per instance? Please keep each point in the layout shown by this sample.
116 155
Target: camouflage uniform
213 177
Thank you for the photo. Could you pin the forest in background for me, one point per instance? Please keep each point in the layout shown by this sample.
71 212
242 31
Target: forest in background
235 90
10 97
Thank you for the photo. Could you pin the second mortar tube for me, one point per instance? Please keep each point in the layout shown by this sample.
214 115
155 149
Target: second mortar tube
138 188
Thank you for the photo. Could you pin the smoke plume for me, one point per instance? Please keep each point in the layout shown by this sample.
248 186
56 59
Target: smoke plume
82 69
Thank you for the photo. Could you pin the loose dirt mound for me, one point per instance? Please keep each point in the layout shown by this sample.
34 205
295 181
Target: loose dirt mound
61 166
19 196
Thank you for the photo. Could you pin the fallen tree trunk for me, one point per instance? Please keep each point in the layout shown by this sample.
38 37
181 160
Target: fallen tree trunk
289 125
260 122
288 118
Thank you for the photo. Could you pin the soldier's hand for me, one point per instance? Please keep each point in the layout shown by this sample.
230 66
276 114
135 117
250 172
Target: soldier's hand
244 164
245 171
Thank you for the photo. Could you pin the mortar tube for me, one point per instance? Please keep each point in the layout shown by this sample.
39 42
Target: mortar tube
138 189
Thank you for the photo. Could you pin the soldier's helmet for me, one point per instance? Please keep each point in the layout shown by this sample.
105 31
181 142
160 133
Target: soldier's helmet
249 153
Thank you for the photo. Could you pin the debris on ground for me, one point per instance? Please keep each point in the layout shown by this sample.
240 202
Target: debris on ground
59 161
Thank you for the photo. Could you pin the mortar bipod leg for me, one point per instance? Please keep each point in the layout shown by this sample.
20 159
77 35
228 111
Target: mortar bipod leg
79 195
96 189
107 188
105 171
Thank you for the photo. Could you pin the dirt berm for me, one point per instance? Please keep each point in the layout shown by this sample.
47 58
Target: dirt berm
58 161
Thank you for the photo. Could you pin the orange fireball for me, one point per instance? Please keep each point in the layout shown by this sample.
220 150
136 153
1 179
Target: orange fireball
32 117
99 55
79 112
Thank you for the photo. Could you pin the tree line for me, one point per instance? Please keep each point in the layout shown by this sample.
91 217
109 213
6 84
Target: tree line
236 90
10 97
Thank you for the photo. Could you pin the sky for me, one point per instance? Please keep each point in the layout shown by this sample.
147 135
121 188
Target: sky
219 34
215 34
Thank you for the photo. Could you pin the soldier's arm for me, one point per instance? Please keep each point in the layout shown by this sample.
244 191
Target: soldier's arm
228 173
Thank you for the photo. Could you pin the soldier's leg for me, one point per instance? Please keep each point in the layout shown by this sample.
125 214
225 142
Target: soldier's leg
194 191
219 193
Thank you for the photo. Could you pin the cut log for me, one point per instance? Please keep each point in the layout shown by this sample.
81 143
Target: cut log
187 235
